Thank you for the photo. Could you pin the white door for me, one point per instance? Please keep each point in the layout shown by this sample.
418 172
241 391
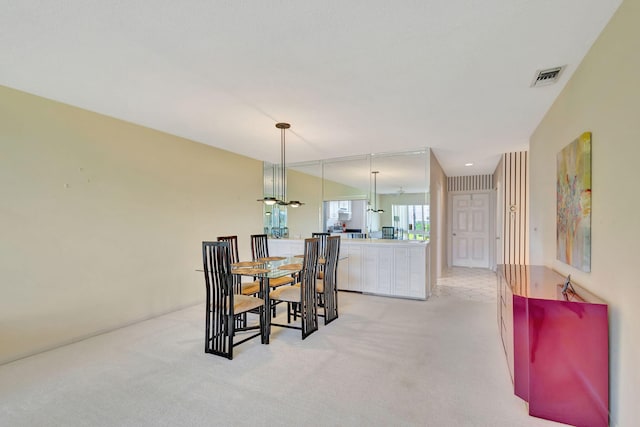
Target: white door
470 230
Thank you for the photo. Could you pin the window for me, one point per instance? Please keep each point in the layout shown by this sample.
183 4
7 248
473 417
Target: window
411 221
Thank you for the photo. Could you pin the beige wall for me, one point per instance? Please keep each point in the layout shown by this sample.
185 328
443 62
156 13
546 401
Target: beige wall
438 196
337 191
499 185
306 219
602 97
102 220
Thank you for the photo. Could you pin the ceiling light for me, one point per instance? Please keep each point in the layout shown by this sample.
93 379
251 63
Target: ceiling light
282 200
468 164
269 201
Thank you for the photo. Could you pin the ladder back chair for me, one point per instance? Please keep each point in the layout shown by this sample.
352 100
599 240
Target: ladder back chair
302 297
223 307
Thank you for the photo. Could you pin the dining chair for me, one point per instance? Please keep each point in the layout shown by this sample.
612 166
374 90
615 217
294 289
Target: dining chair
322 237
327 286
259 246
223 305
388 232
260 250
302 298
240 287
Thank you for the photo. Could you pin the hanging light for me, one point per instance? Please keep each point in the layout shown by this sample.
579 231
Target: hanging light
375 193
282 200
269 201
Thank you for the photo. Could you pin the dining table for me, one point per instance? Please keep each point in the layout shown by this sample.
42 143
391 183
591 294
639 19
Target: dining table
265 269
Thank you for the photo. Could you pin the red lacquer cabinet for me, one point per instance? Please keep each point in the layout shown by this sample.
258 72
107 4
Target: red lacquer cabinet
557 345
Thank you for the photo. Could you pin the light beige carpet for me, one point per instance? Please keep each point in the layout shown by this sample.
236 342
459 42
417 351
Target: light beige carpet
384 362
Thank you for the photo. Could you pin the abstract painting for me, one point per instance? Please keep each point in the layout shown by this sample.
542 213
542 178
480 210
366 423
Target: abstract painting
574 203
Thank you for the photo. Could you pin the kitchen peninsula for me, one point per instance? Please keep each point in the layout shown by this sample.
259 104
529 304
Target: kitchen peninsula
395 268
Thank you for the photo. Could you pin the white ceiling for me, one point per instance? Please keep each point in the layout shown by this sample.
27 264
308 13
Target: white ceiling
352 77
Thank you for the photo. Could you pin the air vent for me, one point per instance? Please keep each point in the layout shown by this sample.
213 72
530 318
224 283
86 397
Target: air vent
547 77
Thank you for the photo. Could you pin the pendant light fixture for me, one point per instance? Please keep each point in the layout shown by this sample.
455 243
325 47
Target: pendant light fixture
282 199
375 193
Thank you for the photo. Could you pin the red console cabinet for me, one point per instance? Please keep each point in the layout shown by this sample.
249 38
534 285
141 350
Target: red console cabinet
557 345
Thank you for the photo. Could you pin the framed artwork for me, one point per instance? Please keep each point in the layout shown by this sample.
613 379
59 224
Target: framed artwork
573 229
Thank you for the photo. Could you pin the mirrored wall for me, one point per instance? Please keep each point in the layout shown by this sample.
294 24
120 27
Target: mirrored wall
356 197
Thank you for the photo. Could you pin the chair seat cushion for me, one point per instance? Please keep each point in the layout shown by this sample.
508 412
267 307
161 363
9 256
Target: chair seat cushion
250 288
286 293
279 281
244 303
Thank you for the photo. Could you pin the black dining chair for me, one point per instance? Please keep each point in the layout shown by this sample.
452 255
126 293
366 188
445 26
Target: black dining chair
240 287
259 251
327 286
259 246
301 299
388 232
322 238
223 306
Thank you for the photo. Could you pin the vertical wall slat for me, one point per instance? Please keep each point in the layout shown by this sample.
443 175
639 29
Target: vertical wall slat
515 241
470 183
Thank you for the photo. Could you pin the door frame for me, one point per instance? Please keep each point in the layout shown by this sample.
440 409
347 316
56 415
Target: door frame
491 225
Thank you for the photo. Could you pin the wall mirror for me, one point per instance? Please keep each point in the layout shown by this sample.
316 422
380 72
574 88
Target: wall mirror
343 196
402 187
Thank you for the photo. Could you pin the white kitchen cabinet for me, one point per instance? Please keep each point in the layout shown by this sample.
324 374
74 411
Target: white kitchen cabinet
397 268
354 275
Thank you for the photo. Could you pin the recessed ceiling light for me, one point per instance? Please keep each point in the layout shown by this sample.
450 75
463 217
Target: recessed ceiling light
468 164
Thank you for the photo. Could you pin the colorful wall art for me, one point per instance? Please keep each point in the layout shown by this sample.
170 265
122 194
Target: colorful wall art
574 203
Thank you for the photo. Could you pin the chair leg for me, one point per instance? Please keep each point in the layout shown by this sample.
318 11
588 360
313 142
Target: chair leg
207 332
264 339
231 331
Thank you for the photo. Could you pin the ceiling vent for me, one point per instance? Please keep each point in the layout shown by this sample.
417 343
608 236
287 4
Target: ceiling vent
547 77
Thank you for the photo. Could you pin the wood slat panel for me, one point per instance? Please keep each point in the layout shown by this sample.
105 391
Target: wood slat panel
470 183
516 204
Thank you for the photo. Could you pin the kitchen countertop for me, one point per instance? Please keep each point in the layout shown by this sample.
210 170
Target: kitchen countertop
371 241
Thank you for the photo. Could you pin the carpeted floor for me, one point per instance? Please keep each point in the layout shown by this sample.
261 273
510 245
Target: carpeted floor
384 362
